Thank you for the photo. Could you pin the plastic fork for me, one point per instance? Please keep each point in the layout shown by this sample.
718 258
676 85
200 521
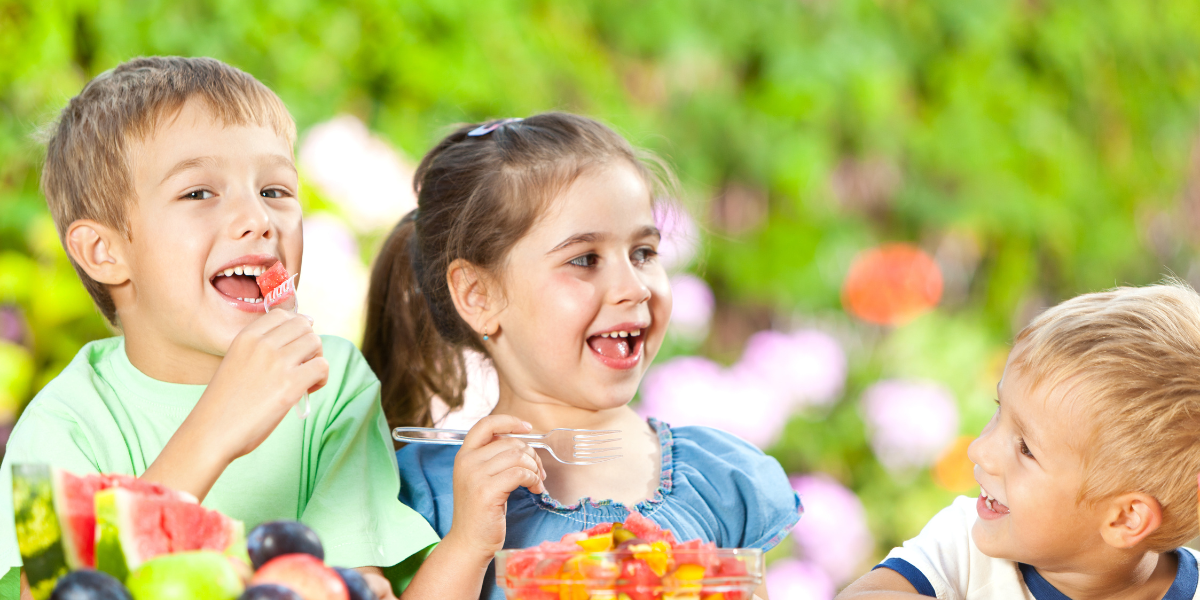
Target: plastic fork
567 446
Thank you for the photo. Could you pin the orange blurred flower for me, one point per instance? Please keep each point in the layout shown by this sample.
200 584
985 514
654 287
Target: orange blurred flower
953 471
892 284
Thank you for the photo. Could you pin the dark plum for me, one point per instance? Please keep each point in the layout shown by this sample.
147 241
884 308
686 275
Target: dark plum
269 591
89 585
355 584
276 538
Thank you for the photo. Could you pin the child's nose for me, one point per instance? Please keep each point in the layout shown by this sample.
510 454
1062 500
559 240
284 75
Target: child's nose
628 286
980 451
250 216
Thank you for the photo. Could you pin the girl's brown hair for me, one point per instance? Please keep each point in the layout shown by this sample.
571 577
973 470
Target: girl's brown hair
477 195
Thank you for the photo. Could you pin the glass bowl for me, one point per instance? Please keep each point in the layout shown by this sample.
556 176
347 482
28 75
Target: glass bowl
651 574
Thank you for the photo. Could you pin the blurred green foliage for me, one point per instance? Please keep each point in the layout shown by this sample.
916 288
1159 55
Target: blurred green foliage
1037 148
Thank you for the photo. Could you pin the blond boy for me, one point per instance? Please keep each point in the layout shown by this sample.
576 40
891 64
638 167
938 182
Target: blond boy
1088 469
172 183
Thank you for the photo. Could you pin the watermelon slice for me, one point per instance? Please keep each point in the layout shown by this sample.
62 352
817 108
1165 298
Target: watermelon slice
647 530
134 526
276 285
56 519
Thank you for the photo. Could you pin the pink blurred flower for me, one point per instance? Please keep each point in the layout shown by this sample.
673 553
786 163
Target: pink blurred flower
680 236
692 306
358 171
833 533
909 422
806 367
691 390
332 287
793 579
480 397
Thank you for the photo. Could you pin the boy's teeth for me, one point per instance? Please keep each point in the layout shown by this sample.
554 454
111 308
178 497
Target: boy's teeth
621 334
237 270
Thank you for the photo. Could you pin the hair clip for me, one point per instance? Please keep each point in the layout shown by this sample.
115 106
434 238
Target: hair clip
490 127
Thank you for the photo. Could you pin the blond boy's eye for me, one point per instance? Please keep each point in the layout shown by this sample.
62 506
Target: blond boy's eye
272 193
199 195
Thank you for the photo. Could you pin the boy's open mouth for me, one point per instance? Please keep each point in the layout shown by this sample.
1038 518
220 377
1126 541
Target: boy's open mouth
620 348
988 507
237 281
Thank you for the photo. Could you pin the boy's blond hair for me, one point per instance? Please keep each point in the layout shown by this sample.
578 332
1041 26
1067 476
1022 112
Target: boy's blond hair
1131 358
88 172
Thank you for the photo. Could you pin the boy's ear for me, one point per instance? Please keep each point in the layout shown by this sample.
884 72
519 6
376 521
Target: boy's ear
99 250
1130 519
473 297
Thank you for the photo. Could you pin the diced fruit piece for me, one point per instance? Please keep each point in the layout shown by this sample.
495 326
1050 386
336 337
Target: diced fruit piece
305 574
269 591
638 581
134 526
600 529
86 584
656 555
271 278
597 543
356 585
276 538
646 529
199 575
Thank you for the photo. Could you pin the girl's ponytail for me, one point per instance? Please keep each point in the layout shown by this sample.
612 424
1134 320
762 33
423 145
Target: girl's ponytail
401 342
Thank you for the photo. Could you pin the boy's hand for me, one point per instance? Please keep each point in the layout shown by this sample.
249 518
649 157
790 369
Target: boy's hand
486 470
267 369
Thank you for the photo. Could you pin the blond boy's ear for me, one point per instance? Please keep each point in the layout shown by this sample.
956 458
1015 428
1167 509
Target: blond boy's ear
474 296
99 250
1130 519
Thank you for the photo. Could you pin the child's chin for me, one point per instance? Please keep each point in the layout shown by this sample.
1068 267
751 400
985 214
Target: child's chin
988 544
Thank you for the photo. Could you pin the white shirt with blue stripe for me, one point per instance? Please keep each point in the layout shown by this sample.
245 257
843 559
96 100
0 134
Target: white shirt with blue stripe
943 562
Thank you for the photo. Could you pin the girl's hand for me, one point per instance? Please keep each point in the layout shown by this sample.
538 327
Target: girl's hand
486 470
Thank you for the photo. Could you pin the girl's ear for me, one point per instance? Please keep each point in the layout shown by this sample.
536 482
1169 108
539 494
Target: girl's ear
473 297
1130 519
99 250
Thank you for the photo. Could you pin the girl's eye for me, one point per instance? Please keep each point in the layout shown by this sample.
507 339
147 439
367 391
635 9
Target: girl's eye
198 195
644 255
273 193
587 260
1025 449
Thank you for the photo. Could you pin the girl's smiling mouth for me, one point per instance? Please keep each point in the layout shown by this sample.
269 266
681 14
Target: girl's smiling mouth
619 347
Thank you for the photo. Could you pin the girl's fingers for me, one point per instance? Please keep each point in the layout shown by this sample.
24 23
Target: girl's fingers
515 477
488 427
512 457
497 447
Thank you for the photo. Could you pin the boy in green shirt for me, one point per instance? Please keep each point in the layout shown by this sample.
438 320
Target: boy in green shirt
172 183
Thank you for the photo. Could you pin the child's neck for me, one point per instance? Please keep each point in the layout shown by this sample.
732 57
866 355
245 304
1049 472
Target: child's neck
159 359
1118 576
630 479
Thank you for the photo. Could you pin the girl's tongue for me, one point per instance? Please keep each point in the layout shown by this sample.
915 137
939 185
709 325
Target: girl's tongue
237 286
614 347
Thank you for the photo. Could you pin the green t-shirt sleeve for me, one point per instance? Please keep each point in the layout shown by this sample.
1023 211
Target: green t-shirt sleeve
354 505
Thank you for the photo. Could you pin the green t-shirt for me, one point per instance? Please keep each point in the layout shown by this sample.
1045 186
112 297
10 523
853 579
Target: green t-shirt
335 470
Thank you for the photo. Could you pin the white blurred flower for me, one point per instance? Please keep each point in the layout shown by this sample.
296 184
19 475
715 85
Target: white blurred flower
909 422
691 306
333 280
807 367
480 397
798 580
691 390
358 171
833 532
680 236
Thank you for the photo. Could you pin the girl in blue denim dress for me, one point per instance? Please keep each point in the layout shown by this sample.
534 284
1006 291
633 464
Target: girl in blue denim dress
535 243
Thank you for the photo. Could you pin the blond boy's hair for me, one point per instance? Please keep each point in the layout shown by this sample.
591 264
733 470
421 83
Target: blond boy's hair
88 172
1131 358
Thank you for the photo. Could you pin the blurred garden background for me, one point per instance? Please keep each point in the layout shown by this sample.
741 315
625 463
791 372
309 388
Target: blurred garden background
878 194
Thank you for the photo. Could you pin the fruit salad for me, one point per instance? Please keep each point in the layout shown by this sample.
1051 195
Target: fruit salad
634 560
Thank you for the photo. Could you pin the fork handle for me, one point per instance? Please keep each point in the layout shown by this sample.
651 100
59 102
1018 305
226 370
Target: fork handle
448 437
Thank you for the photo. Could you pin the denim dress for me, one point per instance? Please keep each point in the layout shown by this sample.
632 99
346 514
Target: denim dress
713 487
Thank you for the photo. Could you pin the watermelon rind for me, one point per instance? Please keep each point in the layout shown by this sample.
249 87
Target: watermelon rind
110 558
39 535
